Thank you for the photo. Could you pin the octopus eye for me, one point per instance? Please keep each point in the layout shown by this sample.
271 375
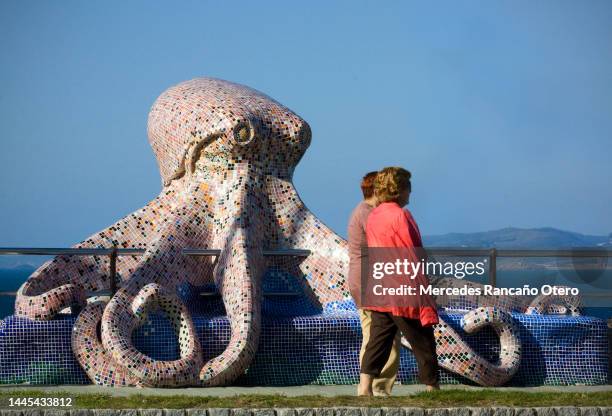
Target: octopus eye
243 133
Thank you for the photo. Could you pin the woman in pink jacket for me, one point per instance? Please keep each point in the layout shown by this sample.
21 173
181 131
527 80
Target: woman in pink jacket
389 225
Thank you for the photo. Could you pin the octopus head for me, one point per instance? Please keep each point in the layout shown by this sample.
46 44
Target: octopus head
208 125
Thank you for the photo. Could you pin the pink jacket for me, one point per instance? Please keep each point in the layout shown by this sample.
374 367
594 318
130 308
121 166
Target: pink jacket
388 225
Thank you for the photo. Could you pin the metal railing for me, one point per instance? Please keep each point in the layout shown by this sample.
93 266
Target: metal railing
115 252
491 253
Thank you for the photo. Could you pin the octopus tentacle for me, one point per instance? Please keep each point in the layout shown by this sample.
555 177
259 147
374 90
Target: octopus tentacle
46 305
153 283
63 281
242 268
326 268
556 304
238 275
125 313
87 347
457 356
163 267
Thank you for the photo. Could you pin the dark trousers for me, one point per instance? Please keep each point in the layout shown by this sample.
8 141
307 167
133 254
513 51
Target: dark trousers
421 339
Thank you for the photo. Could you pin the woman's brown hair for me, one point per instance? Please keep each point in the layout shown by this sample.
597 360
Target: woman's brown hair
390 182
367 184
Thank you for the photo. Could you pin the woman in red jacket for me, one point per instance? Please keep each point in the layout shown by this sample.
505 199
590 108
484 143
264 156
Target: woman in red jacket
389 225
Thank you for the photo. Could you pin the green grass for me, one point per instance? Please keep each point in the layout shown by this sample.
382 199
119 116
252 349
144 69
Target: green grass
444 398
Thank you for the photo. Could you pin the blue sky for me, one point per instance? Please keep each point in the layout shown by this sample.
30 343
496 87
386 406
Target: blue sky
502 110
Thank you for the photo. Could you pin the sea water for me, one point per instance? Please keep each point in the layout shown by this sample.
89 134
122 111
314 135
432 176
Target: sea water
595 286
10 280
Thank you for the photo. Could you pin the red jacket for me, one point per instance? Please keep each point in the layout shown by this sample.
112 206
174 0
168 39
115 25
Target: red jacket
389 225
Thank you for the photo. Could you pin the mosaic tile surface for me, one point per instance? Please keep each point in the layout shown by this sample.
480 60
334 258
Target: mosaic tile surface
314 349
226 155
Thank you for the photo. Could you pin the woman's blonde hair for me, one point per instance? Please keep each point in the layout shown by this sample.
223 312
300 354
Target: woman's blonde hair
390 182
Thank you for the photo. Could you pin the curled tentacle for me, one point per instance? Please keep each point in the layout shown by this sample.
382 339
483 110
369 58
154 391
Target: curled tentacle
457 356
555 304
90 353
47 292
126 312
153 285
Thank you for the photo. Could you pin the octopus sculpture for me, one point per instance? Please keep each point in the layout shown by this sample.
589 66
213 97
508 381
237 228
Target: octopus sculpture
226 154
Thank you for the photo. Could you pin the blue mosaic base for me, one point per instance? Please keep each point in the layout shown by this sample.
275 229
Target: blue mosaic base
303 343
316 349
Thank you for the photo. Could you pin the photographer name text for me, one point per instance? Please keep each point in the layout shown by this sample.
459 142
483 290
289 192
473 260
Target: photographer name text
486 290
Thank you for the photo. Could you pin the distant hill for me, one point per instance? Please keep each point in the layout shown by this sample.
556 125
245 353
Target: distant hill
21 262
523 238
